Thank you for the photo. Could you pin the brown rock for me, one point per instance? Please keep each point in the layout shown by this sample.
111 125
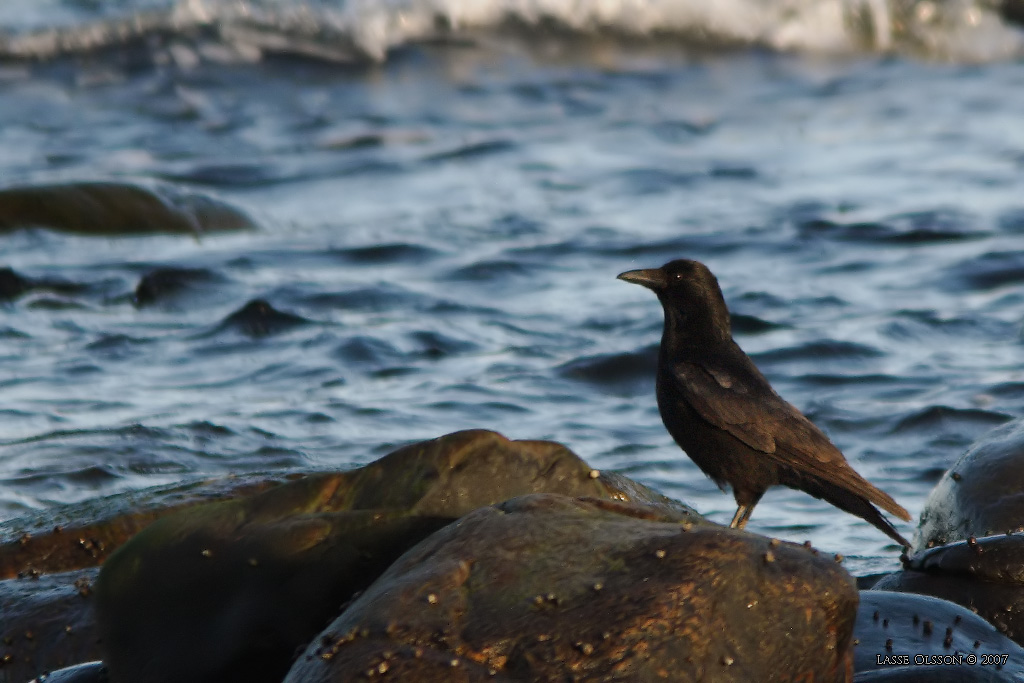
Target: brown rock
109 208
231 589
83 535
550 588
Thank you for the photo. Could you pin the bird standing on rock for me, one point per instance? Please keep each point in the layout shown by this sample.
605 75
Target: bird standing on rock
721 410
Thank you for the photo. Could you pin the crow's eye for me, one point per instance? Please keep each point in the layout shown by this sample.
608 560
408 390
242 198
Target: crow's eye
678 276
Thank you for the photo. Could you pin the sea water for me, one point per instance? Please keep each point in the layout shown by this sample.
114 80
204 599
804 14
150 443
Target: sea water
445 193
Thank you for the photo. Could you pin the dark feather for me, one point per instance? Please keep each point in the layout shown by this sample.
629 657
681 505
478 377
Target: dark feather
723 412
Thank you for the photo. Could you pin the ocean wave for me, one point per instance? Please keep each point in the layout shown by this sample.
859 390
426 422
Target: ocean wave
193 31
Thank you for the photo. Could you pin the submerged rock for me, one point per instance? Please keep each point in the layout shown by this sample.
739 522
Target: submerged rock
902 638
164 285
12 284
228 591
258 318
111 208
550 588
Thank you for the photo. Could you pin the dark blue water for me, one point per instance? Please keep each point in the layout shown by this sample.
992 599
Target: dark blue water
441 232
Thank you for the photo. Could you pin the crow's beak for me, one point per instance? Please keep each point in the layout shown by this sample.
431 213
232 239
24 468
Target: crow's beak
651 278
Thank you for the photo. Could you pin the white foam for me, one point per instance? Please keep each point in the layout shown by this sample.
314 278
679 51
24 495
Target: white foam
956 30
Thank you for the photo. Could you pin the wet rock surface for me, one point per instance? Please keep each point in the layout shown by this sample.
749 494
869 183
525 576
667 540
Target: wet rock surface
258 318
14 285
239 585
167 286
982 574
234 601
90 672
110 208
903 638
83 535
981 494
545 588
933 674
49 563
969 547
46 622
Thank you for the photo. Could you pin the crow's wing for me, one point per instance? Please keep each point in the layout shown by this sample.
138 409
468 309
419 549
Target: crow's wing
764 421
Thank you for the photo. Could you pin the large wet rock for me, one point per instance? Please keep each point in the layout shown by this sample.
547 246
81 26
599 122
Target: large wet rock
83 535
986 575
550 588
902 638
981 495
228 591
970 546
111 208
49 561
46 622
